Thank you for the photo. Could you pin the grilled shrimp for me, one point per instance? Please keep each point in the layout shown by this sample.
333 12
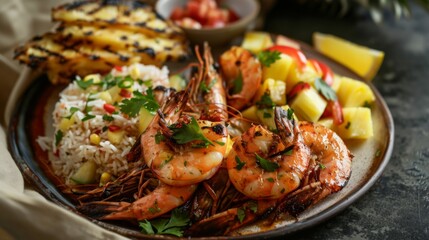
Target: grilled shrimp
328 172
265 165
243 76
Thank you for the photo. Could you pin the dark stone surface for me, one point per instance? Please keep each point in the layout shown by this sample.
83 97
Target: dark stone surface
397 206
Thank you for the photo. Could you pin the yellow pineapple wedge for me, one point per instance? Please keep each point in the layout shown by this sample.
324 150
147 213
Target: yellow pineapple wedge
362 60
308 105
357 123
354 93
279 70
257 41
276 90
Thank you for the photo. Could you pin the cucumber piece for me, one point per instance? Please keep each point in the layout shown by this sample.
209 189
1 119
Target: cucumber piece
86 173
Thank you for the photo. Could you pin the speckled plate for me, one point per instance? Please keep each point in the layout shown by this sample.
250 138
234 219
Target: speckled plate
32 118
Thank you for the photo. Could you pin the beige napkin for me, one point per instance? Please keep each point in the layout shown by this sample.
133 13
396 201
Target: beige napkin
24 213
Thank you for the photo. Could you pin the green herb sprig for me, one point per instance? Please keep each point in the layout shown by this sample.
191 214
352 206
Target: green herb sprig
268 57
173 226
185 133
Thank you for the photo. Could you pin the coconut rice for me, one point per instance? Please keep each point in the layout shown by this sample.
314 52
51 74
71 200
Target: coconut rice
80 113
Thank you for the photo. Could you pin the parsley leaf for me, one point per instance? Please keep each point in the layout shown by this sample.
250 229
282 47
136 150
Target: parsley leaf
237 84
206 88
72 111
87 117
289 113
253 206
241 214
58 137
240 164
186 133
132 106
173 226
159 137
268 57
107 118
85 84
266 164
265 101
325 90
322 166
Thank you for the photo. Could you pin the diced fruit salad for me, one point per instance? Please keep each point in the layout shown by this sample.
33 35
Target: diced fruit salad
199 14
309 87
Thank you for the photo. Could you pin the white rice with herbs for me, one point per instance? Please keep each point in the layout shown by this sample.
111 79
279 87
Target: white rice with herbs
81 112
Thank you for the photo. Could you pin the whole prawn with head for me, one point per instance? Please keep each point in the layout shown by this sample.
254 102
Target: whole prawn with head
181 152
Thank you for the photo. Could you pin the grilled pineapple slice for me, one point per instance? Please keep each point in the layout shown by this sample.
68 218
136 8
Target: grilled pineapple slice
129 15
63 63
157 48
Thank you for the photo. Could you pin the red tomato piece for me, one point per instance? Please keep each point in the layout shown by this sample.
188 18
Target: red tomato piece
232 16
124 93
297 89
324 70
109 108
114 128
216 18
118 68
178 13
296 54
334 110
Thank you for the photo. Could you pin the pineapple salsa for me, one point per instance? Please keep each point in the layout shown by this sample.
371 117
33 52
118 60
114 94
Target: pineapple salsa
309 87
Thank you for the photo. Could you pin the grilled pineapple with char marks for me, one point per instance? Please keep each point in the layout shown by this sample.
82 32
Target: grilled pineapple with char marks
95 36
156 48
134 16
63 63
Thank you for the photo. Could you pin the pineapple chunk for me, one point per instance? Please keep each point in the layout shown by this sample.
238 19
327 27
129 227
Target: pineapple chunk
145 117
114 93
257 41
307 74
116 136
327 122
357 123
308 105
278 70
276 89
250 113
177 82
336 84
354 93
106 97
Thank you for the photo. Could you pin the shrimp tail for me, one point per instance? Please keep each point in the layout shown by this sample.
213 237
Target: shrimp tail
106 210
286 125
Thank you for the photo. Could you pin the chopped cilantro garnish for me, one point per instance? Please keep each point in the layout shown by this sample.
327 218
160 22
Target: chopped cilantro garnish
267 115
72 111
366 104
266 164
290 113
348 125
173 226
265 101
155 208
206 88
107 118
85 84
322 166
169 158
325 90
185 133
253 206
220 143
127 82
241 214
87 117
132 106
240 164
237 84
159 137
58 137
148 82
270 179
268 57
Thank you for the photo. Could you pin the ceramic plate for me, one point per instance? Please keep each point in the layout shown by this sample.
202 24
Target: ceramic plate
32 118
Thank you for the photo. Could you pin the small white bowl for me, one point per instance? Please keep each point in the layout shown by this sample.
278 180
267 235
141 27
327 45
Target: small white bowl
247 10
